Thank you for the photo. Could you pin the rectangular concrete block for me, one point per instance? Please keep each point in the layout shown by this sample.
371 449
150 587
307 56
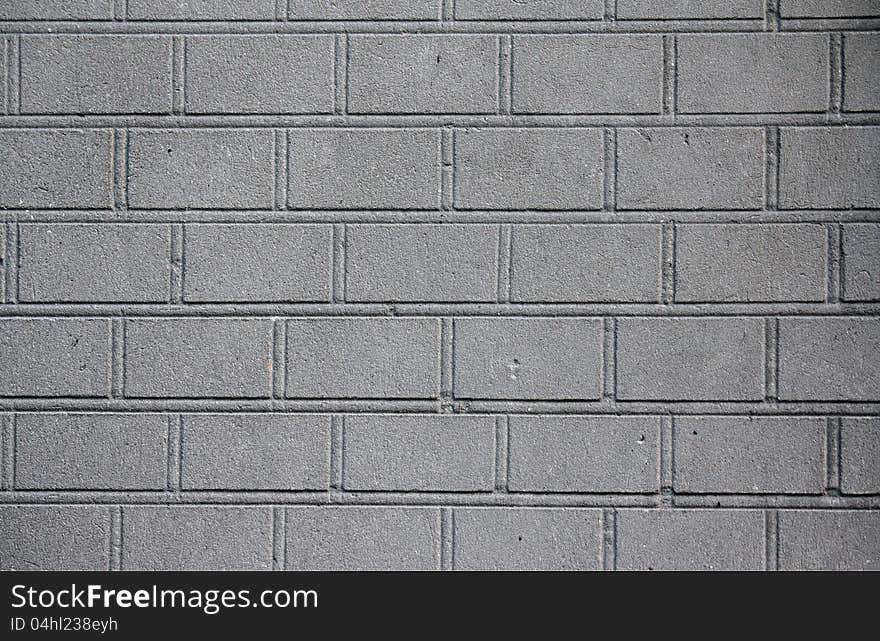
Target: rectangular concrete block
201 10
749 455
589 74
860 456
690 540
195 537
861 53
349 538
54 537
205 358
419 453
829 168
255 452
829 9
539 539
95 74
57 10
752 72
363 358
585 263
518 10
271 74
750 263
583 454
829 359
91 451
531 168
364 169
425 263
690 359
690 168
391 74
54 357
55 168
689 9
257 263
860 264
829 540
363 10
94 263
529 358
201 169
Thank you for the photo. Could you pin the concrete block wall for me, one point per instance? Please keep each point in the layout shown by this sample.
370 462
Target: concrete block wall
440 285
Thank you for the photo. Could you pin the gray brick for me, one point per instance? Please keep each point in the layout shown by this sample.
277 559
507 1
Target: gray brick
363 10
690 359
752 72
54 538
861 81
690 168
749 455
519 10
94 263
829 540
364 169
362 358
829 8
421 262
860 456
583 454
55 168
585 263
750 263
419 453
587 74
91 451
830 359
57 10
95 74
533 358
259 74
688 9
255 452
528 168
201 10
183 357
690 540
189 538
201 168
423 74
829 168
254 263
527 539
362 538
861 262
54 357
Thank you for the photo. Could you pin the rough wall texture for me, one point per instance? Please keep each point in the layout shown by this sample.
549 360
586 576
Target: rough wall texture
440 285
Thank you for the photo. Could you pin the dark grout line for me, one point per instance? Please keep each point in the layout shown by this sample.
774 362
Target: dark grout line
474 407
393 310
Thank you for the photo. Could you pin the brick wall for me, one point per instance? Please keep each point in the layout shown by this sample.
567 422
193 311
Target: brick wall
440 285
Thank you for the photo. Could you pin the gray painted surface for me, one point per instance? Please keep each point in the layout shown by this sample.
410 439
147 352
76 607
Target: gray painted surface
440 285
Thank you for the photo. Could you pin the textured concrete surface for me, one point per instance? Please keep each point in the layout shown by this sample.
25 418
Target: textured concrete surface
440 284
